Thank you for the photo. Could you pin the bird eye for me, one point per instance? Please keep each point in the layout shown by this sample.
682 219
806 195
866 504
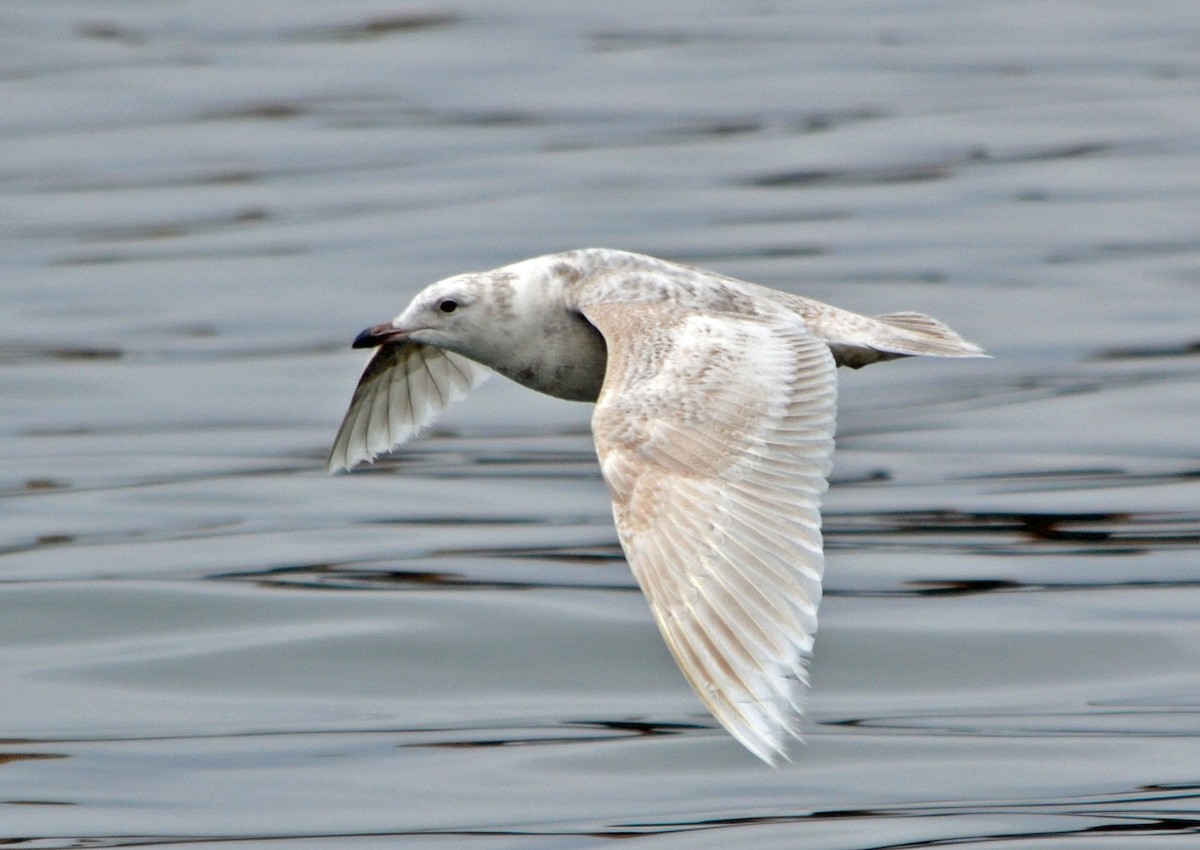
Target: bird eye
448 306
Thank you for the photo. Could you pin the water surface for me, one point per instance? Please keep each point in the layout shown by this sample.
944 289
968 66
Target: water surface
206 640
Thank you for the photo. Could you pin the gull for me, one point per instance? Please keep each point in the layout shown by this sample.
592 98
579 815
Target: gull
714 421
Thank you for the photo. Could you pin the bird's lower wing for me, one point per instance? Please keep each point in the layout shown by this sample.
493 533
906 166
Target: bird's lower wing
715 435
404 387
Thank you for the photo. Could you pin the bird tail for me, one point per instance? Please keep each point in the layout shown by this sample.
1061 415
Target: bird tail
896 335
917 333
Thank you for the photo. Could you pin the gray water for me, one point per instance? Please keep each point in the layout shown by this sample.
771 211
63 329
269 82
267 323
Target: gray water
205 640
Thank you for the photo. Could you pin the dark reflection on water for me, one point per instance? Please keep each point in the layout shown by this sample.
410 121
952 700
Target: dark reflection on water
1056 821
385 25
343 577
1133 824
569 732
6 758
917 172
1024 533
11 353
1186 349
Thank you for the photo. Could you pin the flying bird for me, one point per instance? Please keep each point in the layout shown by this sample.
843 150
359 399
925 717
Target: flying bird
714 422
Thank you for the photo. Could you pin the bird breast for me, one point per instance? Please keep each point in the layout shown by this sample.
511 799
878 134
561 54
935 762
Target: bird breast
566 359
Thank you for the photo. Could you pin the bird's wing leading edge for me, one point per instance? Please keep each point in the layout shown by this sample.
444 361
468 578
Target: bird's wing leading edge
404 387
715 435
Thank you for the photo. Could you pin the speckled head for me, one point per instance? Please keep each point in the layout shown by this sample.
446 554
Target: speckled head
515 320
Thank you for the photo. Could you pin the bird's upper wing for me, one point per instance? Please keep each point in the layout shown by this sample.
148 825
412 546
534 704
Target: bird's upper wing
715 434
403 388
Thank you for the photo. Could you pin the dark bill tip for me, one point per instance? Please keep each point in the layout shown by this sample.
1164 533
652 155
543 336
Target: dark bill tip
377 335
